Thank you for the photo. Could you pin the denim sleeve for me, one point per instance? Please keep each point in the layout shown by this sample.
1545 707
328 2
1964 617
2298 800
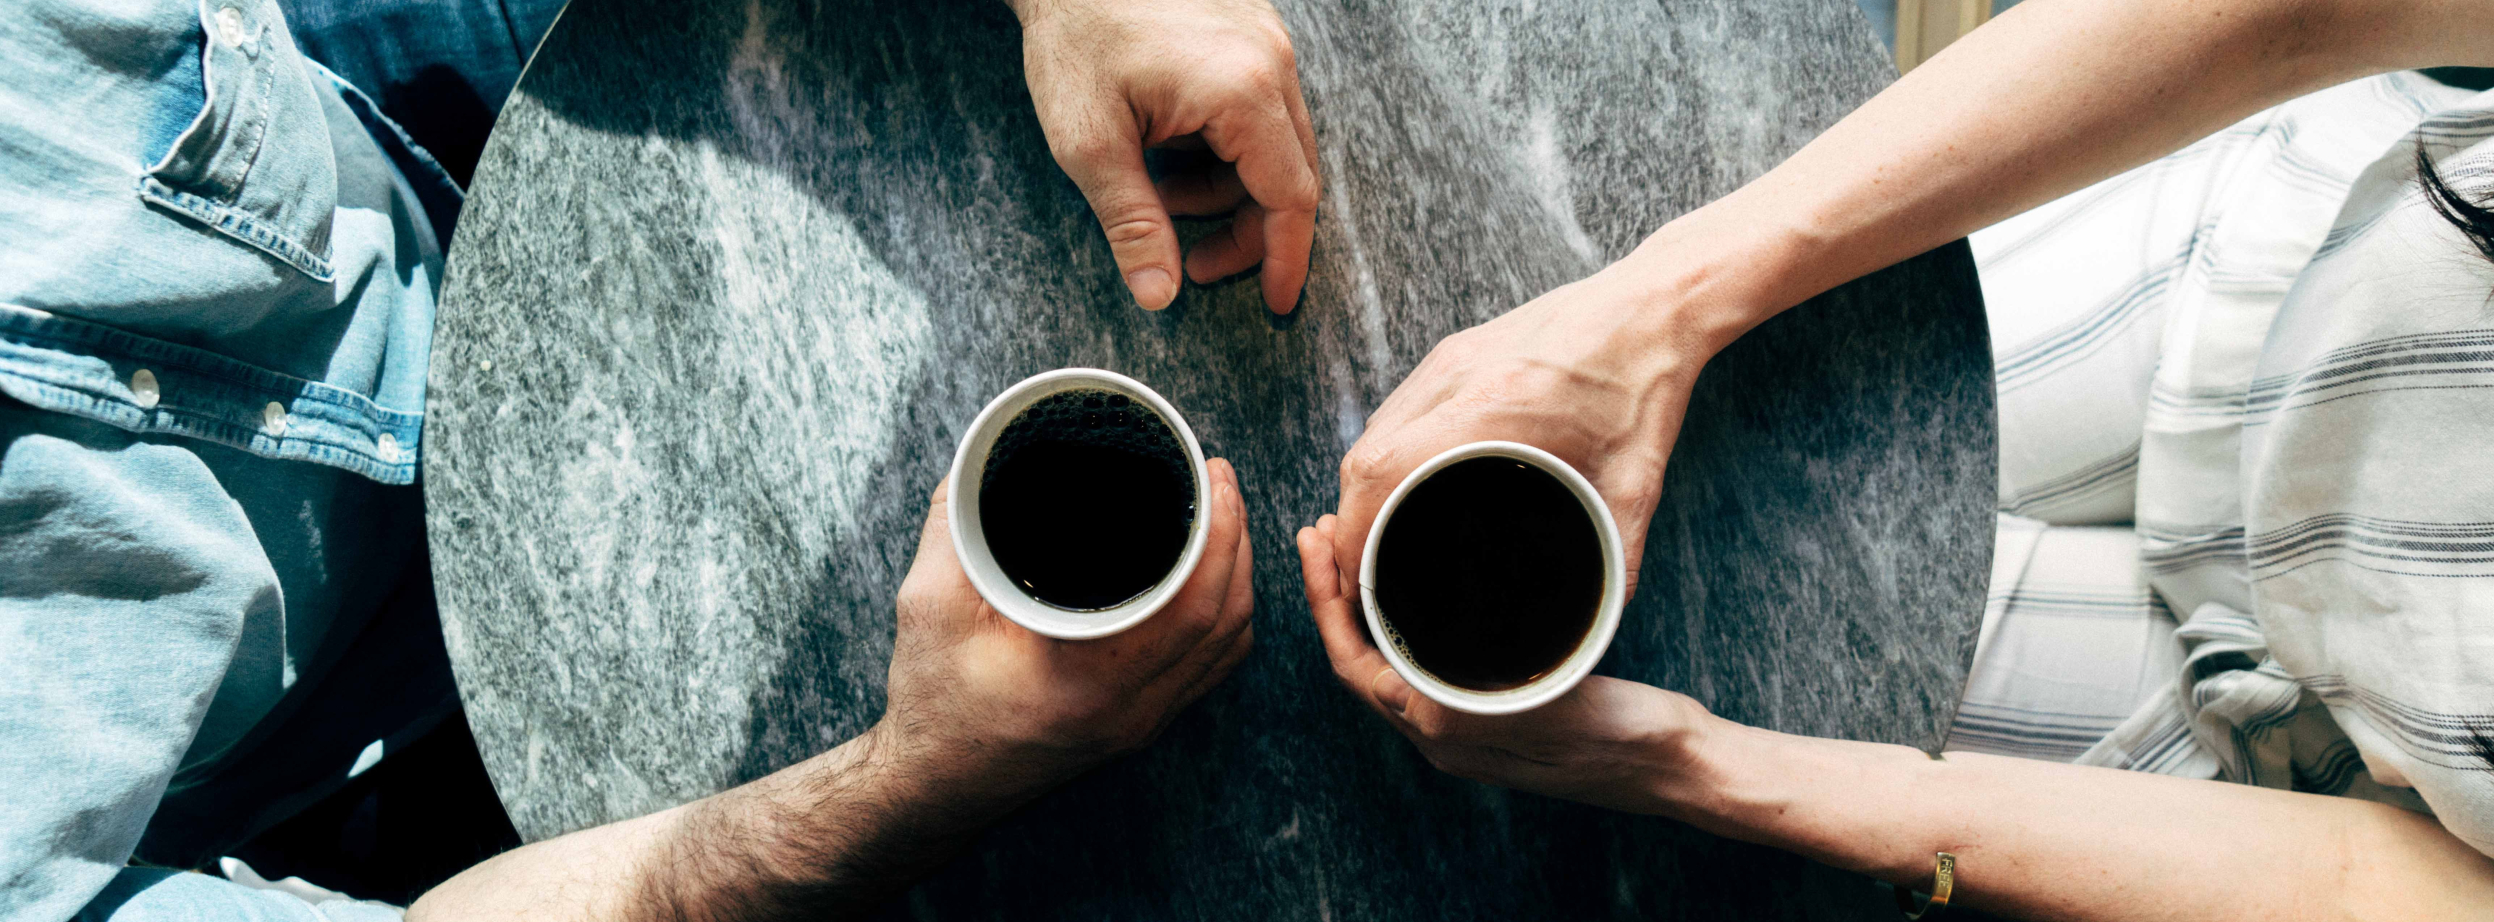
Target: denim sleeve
161 895
127 580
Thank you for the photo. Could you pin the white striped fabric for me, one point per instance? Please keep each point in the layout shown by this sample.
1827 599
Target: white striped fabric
2252 385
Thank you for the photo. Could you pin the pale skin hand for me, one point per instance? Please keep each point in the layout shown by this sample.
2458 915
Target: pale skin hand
1602 389
1112 79
2051 96
983 716
2037 840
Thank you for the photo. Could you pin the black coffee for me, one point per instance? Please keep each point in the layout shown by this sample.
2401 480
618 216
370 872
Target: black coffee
1087 499
1490 572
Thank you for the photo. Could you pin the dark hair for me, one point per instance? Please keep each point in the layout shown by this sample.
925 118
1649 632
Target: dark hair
2475 221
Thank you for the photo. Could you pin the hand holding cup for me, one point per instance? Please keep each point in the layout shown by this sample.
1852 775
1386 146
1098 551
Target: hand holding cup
1606 741
1592 372
978 700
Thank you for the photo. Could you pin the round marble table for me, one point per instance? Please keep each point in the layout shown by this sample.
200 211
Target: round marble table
736 274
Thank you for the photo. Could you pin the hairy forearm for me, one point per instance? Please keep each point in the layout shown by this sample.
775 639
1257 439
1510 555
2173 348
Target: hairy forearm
2050 97
828 838
2044 840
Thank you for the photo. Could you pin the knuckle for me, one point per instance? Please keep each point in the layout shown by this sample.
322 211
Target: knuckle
1428 723
1365 464
1284 55
1200 621
1239 80
1303 195
1075 149
1642 495
1266 78
1526 378
1268 30
1255 75
1508 387
1132 229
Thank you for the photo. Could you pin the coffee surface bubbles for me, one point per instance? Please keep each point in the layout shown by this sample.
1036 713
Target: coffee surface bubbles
1087 499
1489 574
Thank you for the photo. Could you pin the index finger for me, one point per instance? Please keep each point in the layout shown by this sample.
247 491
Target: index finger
1280 174
935 573
1356 662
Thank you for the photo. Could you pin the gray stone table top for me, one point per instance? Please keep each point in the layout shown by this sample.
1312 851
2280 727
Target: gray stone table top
736 275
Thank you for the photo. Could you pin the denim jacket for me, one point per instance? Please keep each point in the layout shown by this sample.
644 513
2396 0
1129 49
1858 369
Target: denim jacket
218 266
220 249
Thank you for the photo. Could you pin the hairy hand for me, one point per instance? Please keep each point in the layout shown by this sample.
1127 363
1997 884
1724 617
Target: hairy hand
984 704
1113 77
1607 742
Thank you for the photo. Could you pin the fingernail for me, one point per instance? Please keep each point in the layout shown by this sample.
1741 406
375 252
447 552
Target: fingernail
1152 287
1284 309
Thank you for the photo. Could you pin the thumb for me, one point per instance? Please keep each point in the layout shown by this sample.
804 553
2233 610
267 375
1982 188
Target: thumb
937 535
937 586
1104 157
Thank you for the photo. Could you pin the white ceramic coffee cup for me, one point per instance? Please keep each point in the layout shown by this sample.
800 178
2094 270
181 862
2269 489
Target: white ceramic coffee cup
1579 663
970 537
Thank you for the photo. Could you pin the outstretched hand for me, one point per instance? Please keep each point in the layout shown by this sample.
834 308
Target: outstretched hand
1113 77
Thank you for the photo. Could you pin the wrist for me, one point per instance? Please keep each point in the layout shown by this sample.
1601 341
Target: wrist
831 834
987 772
1696 772
1710 276
1850 805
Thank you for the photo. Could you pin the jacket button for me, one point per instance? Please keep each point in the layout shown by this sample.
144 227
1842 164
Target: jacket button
229 27
143 389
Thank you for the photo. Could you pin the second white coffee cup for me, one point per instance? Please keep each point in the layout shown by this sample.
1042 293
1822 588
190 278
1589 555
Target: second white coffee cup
1588 651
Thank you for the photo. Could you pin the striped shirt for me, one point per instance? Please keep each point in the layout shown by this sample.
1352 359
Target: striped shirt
2247 463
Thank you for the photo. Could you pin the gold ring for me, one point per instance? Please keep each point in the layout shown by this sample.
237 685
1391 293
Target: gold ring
1916 905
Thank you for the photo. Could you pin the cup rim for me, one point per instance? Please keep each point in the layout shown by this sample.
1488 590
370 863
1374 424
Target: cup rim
977 561
1579 663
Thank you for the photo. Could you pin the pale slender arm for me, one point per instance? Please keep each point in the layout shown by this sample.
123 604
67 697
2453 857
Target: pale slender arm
2052 96
2048 98
2034 840
2043 840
